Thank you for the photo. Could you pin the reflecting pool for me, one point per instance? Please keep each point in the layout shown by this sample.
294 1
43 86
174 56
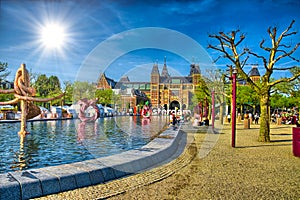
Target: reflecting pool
66 141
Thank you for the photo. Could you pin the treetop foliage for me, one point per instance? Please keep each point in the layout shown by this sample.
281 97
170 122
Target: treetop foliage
3 71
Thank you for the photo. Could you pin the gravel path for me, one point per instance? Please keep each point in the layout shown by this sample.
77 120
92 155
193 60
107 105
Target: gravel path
210 168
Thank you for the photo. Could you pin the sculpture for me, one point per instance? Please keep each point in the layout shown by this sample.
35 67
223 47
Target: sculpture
25 95
84 104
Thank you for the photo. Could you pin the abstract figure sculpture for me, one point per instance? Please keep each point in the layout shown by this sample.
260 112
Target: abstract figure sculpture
24 94
84 104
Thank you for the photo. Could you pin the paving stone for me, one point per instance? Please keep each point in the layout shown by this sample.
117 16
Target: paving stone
30 184
66 179
9 187
94 168
108 173
50 183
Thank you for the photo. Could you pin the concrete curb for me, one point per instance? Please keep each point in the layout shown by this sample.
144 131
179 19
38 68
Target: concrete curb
49 180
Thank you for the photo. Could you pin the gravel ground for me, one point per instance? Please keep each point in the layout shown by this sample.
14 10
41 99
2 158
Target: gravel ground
211 169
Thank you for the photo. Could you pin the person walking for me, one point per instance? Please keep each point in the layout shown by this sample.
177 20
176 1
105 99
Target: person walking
256 118
174 121
229 118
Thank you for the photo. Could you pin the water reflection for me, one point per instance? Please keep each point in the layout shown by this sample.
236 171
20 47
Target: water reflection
66 141
21 161
81 130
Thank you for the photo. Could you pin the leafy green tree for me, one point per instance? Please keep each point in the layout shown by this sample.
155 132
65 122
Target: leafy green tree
83 90
3 75
247 96
54 83
3 71
48 87
33 76
116 100
6 97
228 45
105 97
201 92
278 101
42 85
68 90
286 94
215 80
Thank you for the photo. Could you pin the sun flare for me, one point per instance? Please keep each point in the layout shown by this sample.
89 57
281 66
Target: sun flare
53 36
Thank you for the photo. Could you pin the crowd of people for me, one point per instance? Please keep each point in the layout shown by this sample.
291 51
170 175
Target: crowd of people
285 117
276 117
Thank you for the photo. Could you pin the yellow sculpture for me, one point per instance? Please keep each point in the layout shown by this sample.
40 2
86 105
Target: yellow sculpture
25 95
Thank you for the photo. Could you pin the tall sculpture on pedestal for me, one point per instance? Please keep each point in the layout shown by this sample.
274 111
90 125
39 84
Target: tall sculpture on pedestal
25 95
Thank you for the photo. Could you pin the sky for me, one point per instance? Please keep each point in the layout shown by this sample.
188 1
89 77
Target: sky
128 37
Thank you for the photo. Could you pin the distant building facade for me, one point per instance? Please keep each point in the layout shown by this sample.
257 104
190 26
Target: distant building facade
163 91
254 74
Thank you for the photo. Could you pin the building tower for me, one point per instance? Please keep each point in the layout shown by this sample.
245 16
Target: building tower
195 73
154 85
165 72
254 74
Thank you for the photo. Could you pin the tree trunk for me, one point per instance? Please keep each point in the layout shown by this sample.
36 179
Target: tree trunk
264 132
222 109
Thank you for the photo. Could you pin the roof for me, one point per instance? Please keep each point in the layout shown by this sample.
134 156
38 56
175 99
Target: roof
165 72
155 69
254 72
194 69
124 79
176 79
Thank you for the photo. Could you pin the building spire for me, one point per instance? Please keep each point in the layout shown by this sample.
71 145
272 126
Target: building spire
194 69
155 69
165 72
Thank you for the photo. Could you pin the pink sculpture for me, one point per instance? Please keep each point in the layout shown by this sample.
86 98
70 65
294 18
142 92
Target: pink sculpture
84 104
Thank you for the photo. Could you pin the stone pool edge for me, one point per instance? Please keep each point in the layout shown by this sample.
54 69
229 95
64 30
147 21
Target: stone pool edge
54 179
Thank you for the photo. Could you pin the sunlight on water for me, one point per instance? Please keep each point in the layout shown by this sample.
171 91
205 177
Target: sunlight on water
66 141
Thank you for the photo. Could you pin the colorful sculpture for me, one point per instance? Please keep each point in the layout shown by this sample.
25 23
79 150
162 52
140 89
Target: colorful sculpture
25 95
84 104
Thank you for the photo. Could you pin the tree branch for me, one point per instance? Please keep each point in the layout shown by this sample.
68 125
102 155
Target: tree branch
285 46
271 84
288 54
285 68
224 36
264 48
222 49
14 101
242 37
285 32
244 62
260 57
7 91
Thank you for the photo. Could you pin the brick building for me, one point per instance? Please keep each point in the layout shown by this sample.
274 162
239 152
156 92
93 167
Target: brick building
164 91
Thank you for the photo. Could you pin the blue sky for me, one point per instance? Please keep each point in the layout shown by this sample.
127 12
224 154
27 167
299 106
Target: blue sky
90 25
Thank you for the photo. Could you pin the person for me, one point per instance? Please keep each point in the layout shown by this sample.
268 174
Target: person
229 118
146 110
256 118
174 121
251 117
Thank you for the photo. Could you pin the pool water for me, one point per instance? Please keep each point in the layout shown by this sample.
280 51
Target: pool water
66 141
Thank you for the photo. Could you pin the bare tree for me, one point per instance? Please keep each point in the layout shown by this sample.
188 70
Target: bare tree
215 81
228 46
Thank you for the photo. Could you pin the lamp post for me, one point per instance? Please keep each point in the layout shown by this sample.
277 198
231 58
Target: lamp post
213 110
233 109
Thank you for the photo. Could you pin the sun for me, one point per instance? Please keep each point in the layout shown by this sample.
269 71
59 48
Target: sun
53 36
